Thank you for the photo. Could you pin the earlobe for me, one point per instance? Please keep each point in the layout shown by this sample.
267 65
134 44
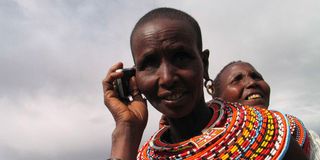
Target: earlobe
205 60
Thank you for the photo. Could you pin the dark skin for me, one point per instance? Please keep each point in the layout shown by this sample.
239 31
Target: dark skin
131 118
170 69
238 82
241 82
165 54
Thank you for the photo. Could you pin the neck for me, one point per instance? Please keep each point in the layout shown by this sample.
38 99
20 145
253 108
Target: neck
191 125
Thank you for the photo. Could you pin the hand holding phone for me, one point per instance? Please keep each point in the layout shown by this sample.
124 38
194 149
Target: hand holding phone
122 84
130 116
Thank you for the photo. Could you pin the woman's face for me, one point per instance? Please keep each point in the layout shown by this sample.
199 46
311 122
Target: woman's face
241 83
169 67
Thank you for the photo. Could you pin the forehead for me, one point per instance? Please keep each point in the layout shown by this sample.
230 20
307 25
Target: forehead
236 68
162 32
160 24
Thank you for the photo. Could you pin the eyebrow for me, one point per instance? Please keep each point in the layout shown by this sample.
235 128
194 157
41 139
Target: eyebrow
236 74
233 76
148 55
257 73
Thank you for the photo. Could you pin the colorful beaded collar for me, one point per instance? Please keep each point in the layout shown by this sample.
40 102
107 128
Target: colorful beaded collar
235 131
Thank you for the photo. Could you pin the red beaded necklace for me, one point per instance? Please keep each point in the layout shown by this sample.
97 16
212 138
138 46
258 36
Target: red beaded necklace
235 131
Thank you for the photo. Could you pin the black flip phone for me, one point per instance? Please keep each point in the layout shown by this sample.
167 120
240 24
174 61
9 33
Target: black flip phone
122 84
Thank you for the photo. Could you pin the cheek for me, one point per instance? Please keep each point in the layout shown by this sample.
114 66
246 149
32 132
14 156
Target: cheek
231 94
194 79
146 84
195 73
266 88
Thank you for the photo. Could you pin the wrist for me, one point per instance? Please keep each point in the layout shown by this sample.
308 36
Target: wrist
125 141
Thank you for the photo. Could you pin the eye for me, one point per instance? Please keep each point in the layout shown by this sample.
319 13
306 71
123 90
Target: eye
149 62
237 79
256 76
182 58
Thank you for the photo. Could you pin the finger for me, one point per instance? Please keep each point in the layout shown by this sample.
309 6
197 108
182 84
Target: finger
135 92
114 104
111 76
112 70
110 96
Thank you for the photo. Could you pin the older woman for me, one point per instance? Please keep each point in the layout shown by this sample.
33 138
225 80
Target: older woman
170 66
240 82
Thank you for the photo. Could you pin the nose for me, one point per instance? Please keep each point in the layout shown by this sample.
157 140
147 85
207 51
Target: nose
250 82
167 75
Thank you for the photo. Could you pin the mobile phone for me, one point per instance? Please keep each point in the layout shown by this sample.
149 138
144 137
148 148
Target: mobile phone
122 84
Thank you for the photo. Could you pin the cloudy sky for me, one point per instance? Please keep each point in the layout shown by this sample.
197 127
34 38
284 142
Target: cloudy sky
54 54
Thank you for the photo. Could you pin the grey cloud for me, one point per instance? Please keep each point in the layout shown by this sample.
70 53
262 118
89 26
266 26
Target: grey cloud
54 54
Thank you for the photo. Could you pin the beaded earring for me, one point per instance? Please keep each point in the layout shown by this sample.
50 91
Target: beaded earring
208 83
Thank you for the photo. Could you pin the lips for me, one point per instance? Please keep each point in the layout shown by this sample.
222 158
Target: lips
172 95
255 98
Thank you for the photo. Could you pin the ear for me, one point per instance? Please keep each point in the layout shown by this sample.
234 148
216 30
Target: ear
205 60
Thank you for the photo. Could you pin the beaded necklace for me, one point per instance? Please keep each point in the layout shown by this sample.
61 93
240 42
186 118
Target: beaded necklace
234 132
297 129
299 133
